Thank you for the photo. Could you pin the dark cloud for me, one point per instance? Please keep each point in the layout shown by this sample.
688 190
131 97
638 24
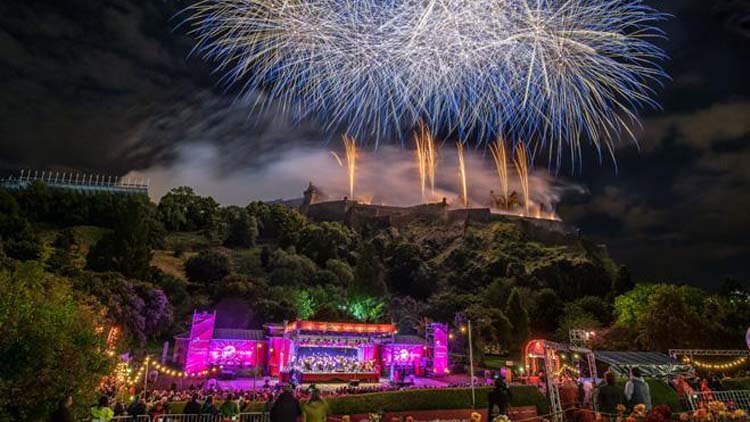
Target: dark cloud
108 86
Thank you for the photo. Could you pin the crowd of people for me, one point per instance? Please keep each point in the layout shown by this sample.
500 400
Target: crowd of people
285 404
321 362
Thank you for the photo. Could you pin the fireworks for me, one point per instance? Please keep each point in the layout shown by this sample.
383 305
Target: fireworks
501 166
555 72
521 161
426 154
350 147
462 174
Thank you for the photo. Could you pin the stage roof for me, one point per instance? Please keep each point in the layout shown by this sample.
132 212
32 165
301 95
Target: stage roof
238 334
651 363
341 327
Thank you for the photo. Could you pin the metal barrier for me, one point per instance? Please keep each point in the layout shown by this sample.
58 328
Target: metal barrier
242 417
738 398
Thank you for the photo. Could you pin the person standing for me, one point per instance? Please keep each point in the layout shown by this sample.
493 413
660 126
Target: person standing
63 413
101 412
193 407
637 390
609 395
499 398
286 407
138 407
315 409
229 409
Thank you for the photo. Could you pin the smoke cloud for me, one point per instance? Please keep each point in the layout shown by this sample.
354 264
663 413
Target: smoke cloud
387 176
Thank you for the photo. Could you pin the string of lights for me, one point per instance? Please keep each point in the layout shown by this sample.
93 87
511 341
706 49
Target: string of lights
165 370
724 365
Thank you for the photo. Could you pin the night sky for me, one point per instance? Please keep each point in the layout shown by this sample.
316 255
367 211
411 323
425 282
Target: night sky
107 86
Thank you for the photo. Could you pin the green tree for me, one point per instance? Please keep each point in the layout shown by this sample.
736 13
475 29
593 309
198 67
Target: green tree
369 275
407 272
49 346
324 241
288 268
343 272
241 228
547 311
20 241
182 210
207 267
128 249
519 319
669 320
631 305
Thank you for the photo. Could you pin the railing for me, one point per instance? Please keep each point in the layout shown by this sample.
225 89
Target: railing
737 398
242 417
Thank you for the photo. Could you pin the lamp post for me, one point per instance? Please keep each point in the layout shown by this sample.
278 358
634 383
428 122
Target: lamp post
471 366
471 370
145 377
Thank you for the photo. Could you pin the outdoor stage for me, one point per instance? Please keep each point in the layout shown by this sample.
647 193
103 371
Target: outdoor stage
304 352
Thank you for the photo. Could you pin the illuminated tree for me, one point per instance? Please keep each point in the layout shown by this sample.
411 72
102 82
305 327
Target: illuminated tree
49 344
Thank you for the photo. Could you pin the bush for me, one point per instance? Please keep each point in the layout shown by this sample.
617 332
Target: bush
736 383
662 393
429 399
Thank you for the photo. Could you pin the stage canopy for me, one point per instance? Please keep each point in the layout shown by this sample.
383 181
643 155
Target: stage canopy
651 364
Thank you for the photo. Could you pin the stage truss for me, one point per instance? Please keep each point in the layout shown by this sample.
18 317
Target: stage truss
550 350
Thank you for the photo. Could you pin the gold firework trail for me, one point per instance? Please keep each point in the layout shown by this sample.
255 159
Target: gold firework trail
521 161
426 155
501 166
462 174
350 147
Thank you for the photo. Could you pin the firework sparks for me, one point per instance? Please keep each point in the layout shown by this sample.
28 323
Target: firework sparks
350 147
559 73
426 155
521 161
462 174
501 166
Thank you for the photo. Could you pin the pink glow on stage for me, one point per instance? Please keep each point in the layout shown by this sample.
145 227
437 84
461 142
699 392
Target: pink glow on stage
440 349
402 354
201 333
234 353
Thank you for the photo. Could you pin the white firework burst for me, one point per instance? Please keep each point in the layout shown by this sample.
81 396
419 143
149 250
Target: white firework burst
552 73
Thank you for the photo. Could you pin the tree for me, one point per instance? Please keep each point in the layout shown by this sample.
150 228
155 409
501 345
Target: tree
547 311
65 245
19 239
207 267
182 210
288 268
408 273
369 277
324 241
519 318
139 308
631 305
342 270
128 248
241 228
277 221
49 344
669 321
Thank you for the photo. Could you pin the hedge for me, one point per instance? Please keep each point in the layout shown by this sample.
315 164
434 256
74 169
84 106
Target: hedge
663 393
736 383
431 399
417 399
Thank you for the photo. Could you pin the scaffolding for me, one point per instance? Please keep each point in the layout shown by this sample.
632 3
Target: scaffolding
550 352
